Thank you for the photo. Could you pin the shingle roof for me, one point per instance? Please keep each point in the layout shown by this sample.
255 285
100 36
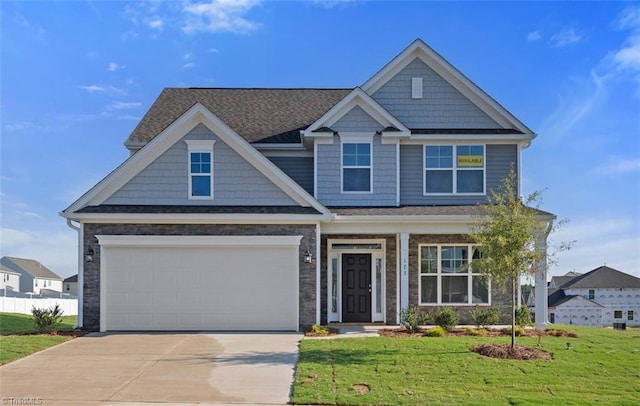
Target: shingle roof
30 266
603 278
255 114
73 278
471 210
138 209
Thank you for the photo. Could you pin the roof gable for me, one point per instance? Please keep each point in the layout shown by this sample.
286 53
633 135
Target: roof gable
390 126
419 49
197 114
28 266
603 278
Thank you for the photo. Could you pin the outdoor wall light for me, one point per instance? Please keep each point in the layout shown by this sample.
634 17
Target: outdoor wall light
89 255
308 257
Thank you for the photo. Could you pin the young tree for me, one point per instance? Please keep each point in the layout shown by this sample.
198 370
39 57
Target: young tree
507 232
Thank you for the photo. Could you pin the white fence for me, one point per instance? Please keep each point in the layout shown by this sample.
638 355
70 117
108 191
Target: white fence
23 305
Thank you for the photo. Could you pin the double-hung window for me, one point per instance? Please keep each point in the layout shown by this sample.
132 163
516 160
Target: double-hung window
454 169
447 276
200 169
356 167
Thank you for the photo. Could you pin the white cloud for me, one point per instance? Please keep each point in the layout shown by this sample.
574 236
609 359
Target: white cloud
333 3
155 23
124 105
112 67
212 51
618 166
564 38
620 249
26 126
219 16
534 36
92 88
189 65
628 56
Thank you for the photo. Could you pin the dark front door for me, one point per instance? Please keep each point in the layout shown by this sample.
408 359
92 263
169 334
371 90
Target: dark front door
356 288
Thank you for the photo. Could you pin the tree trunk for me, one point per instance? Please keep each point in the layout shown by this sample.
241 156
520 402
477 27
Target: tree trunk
513 314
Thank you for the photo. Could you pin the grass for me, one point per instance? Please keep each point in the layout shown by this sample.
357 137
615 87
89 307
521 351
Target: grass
17 338
602 367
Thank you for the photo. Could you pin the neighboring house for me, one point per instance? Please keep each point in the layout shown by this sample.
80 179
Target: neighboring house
10 280
557 281
70 285
598 298
34 277
273 209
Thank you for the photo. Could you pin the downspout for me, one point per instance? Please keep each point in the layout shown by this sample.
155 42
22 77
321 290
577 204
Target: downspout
80 288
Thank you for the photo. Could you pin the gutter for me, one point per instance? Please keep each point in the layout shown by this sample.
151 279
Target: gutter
80 231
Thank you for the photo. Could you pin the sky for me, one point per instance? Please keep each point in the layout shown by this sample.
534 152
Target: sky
77 76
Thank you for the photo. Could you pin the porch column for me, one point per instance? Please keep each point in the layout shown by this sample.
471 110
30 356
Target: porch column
404 270
541 292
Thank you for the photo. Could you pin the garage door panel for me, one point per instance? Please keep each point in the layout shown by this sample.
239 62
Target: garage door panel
201 288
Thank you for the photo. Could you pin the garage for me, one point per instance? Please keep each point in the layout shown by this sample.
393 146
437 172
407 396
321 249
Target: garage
198 282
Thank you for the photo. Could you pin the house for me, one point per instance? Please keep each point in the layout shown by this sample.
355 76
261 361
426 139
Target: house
9 279
70 285
600 297
34 277
273 209
557 281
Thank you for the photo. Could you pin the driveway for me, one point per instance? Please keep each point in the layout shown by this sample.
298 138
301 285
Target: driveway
176 368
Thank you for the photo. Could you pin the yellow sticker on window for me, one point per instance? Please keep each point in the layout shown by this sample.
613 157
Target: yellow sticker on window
470 160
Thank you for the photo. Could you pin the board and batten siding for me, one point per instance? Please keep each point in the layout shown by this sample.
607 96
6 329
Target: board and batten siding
300 169
329 176
235 181
498 164
441 106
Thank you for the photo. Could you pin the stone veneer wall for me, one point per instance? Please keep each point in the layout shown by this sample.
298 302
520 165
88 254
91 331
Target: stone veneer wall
391 298
500 298
307 276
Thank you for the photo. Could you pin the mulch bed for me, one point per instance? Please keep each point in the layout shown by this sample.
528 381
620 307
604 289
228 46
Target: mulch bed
66 333
504 351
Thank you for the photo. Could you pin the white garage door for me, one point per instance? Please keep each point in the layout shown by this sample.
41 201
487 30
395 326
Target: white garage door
199 283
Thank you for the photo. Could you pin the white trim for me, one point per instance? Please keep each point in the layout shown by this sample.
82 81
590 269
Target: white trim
318 260
439 274
419 49
375 254
197 114
454 169
398 174
194 147
315 168
361 99
370 167
199 218
279 153
198 240
404 271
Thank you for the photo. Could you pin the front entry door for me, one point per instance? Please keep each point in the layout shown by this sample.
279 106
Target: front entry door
356 288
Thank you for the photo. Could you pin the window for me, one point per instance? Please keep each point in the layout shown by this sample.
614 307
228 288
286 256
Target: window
36 283
356 167
617 314
68 287
630 315
592 294
447 275
454 169
200 169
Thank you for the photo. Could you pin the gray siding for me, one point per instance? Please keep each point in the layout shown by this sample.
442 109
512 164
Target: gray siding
357 120
300 169
498 162
441 107
384 176
235 181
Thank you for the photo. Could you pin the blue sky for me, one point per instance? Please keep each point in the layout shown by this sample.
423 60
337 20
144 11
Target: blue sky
76 77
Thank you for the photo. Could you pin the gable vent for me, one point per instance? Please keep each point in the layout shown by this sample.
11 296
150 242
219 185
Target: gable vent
416 88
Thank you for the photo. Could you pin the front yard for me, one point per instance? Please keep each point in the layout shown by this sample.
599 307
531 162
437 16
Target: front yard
601 366
18 338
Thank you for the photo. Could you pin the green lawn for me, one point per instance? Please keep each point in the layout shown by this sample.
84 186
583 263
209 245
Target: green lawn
602 367
14 346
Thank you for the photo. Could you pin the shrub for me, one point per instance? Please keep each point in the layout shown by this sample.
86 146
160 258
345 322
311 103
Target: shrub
436 331
470 331
519 331
486 316
445 317
411 318
46 320
523 316
320 330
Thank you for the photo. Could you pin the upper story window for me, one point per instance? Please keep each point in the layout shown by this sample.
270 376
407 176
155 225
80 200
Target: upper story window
454 169
592 294
447 276
200 169
356 167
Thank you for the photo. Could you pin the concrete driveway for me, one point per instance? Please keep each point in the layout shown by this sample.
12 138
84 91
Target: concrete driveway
176 368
